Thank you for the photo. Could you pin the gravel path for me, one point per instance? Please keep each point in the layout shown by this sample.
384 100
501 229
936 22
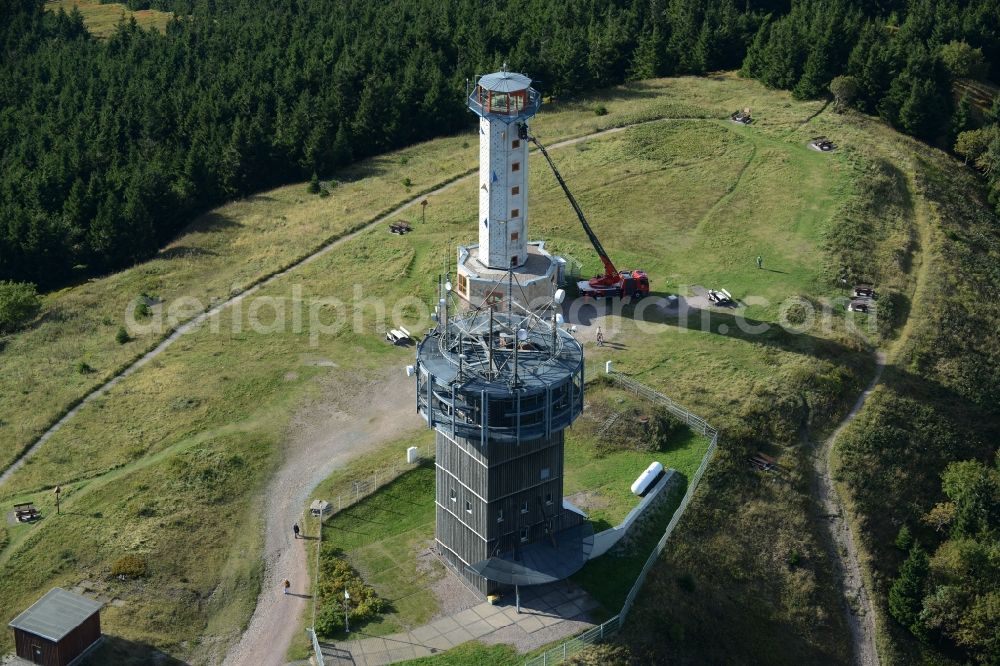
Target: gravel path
196 321
323 437
860 617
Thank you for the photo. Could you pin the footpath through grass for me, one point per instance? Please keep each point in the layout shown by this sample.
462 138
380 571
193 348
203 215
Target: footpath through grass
387 537
691 201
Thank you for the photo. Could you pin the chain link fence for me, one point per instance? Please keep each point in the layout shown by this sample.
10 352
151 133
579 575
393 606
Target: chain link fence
358 489
597 634
353 492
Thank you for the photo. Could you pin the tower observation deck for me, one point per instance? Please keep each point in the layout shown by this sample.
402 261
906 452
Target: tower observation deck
500 387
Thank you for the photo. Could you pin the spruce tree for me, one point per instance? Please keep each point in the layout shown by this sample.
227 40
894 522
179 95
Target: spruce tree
907 591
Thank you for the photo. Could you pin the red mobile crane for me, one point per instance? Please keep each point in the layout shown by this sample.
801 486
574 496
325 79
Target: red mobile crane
628 282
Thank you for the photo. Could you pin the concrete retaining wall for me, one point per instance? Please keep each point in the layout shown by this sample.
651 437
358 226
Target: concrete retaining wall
621 535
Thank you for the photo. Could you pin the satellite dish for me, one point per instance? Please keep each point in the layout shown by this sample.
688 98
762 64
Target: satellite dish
572 329
442 303
522 334
447 286
409 371
559 296
559 319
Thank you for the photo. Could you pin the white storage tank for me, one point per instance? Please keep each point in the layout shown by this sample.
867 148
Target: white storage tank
412 454
645 480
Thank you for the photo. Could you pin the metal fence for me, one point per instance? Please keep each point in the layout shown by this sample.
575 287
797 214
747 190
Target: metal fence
570 647
358 489
361 488
317 650
353 493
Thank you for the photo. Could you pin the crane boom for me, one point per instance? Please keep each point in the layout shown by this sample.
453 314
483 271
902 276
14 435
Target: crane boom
610 272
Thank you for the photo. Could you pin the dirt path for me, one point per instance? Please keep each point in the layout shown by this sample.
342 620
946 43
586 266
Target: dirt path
193 323
860 617
323 436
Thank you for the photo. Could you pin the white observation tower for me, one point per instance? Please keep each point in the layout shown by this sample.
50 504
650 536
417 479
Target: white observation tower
504 102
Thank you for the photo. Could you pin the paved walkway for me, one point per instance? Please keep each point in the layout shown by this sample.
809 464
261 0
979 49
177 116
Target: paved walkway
548 613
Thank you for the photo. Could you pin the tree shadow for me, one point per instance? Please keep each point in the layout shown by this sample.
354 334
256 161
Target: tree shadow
212 222
183 251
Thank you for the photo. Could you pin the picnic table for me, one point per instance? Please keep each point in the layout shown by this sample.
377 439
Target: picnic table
26 512
398 335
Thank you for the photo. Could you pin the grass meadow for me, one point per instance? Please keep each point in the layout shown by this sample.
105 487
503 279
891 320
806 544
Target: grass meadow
101 19
387 535
691 198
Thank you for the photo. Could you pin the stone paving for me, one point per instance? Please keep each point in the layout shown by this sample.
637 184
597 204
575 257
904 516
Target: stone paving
548 613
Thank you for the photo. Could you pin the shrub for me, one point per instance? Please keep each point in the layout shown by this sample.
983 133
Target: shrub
129 566
845 91
141 309
603 654
122 336
19 303
336 575
600 110
407 182
84 368
313 187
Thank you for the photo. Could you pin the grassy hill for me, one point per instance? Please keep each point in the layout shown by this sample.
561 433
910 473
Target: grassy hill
102 18
169 464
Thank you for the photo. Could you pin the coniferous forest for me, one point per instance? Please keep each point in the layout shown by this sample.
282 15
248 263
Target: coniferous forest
110 146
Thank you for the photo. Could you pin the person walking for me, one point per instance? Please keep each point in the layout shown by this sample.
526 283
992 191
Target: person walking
295 530
287 585
760 261
600 337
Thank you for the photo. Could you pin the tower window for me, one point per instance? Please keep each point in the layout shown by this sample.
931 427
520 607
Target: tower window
524 534
515 190
516 166
524 506
513 260
548 498
516 143
499 515
514 236
545 473
452 495
468 506
516 212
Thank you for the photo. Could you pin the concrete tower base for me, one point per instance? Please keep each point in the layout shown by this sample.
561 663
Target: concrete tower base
535 280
